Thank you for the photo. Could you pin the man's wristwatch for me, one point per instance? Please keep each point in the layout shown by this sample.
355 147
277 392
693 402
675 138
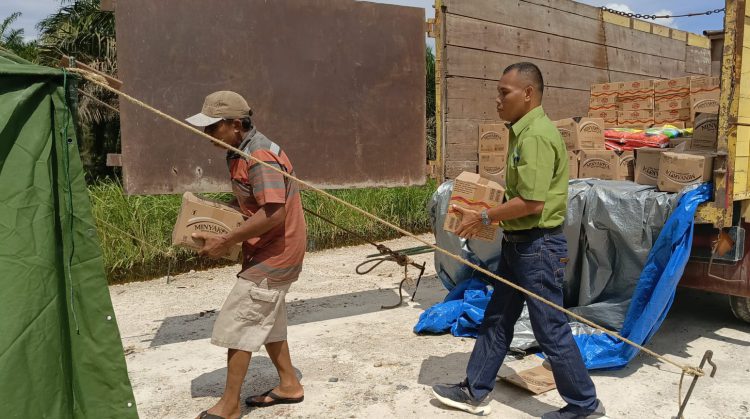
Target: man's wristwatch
485 218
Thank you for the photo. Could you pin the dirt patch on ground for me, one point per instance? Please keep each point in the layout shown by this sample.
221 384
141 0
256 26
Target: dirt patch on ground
359 361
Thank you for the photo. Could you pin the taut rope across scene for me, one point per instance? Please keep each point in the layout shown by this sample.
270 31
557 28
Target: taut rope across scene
684 368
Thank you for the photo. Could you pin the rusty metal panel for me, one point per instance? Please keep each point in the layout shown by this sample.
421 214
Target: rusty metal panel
339 84
732 277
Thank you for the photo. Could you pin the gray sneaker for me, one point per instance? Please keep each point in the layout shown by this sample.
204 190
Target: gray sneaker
458 396
569 412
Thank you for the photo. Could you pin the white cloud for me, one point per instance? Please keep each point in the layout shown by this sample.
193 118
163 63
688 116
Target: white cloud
666 22
620 7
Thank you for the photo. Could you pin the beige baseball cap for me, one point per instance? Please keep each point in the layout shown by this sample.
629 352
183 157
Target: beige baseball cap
220 105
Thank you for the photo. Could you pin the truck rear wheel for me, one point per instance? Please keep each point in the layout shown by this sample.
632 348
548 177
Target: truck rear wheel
740 307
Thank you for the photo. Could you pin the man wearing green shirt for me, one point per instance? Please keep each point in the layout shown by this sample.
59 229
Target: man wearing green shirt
534 254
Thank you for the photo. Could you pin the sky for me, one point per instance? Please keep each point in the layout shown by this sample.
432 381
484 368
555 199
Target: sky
32 11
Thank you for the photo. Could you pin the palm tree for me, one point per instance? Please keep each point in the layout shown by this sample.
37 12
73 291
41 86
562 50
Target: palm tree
80 29
12 39
430 104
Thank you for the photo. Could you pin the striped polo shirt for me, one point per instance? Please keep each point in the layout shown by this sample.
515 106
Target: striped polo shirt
277 254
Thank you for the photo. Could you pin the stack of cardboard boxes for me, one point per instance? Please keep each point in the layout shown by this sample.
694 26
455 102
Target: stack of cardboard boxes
603 102
704 95
672 102
587 155
683 102
645 102
672 169
635 103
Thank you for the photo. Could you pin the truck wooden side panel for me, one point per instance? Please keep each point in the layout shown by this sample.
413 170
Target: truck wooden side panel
574 44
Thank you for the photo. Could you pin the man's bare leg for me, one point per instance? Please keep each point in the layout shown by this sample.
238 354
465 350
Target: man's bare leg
229 405
289 386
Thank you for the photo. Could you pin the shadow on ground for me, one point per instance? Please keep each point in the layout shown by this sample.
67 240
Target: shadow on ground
197 326
261 376
693 316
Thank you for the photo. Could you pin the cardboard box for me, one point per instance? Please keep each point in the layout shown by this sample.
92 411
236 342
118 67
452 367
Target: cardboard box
493 138
647 165
706 102
537 380
704 84
603 102
672 86
472 191
626 166
636 105
637 88
605 88
678 170
678 142
590 133
674 102
601 164
641 127
492 166
609 116
636 117
572 165
649 94
203 215
582 133
705 133
665 117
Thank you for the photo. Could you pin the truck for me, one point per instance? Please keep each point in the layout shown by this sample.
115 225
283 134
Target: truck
577 45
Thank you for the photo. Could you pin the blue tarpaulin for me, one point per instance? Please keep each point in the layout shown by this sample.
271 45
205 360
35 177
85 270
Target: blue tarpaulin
463 309
656 288
461 312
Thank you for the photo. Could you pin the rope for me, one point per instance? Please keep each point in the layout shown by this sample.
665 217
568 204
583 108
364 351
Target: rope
99 101
357 235
685 368
679 395
169 253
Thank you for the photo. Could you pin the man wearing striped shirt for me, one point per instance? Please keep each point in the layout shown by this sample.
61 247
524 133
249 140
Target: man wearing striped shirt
273 246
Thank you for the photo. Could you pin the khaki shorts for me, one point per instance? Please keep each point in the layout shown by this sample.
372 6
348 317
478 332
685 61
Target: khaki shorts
252 315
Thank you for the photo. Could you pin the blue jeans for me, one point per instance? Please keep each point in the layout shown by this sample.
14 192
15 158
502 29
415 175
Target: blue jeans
538 266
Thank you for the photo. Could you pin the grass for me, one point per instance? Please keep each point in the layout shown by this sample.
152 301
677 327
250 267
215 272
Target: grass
135 231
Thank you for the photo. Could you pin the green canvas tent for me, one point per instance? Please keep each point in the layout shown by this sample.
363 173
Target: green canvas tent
60 349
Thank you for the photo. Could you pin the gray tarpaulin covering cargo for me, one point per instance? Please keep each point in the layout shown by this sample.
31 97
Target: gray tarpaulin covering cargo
610 227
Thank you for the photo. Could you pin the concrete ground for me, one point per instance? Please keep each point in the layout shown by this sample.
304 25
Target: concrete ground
358 361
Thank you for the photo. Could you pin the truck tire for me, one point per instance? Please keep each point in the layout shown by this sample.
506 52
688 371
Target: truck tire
740 307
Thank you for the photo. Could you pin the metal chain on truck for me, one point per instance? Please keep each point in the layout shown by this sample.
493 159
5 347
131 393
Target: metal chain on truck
652 17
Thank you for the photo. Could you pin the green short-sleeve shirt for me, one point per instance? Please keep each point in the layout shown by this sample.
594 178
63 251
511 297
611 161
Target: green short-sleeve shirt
537 170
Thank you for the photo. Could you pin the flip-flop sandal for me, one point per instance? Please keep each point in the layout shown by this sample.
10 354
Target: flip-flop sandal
205 415
275 399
